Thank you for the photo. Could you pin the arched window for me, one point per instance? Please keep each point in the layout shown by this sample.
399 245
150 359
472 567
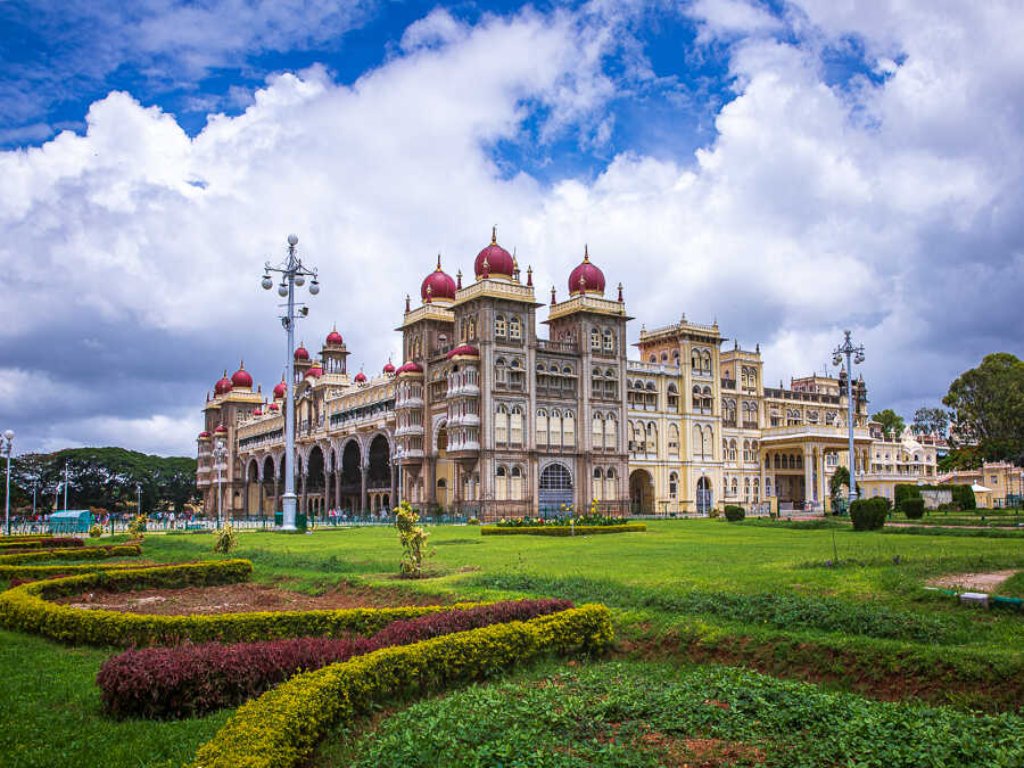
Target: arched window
768 487
515 327
595 338
664 357
673 485
569 429
611 432
673 441
598 485
706 401
708 436
675 358
609 340
499 326
746 488
516 484
542 428
501 424
609 484
735 487
698 442
501 483
705 361
694 361
757 489
516 424
555 428
673 398
698 401
500 372
597 431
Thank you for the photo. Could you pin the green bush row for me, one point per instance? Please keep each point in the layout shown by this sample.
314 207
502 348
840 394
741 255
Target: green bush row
962 495
282 727
561 530
26 608
734 513
76 553
34 572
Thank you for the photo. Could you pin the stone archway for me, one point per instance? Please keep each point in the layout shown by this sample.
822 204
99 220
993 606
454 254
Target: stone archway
705 496
641 492
556 489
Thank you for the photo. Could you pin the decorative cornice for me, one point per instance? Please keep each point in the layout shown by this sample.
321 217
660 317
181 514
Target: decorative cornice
587 303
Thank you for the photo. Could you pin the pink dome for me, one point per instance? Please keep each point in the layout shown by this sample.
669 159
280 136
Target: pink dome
241 378
301 353
334 338
220 430
499 261
204 435
275 407
257 412
586 278
438 285
389 369
315 372
223 386
280 389
360 378
410 367
464 350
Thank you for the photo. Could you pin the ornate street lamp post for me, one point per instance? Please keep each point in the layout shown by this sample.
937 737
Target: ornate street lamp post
7 447
220 454
293 274
857 355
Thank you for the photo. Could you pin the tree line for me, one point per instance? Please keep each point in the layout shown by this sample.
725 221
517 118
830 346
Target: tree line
107 478
983 419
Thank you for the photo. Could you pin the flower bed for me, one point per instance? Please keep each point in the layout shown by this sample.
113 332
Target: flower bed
561 530
75 553
592 519
26 608
280 728
191 680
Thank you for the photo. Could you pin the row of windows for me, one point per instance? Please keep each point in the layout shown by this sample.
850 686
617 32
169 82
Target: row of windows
730 447
603 486
602 340
508 483
556 428
511 329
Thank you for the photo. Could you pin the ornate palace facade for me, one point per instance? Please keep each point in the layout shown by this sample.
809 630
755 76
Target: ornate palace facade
486 418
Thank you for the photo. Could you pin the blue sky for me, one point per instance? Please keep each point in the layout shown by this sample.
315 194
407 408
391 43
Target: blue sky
787 168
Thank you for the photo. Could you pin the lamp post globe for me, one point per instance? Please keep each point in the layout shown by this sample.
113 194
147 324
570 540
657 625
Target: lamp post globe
854 356
8 448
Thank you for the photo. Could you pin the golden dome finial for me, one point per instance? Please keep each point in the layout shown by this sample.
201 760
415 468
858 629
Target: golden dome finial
494 235
438 262
586 254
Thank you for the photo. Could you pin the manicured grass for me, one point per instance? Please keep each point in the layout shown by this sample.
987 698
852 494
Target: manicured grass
50 714
648 715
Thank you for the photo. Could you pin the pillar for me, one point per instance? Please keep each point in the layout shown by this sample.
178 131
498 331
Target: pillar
364 471
302 492
808 474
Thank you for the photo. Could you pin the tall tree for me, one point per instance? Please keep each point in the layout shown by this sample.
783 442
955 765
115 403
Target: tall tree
930 421
987 405
892 423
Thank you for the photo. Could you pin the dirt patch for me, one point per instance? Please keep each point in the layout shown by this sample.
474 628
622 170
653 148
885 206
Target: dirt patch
700 753
974 582
240 598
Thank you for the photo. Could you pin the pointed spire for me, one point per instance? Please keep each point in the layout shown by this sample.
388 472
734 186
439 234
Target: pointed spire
552 295
494 235
586 254
259 389
458 280
529 277
407 309
438 263
620 293
757 348
241 365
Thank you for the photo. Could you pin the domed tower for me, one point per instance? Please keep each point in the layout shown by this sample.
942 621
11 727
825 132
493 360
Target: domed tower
587 279
302 362
334 353
438 287
494 261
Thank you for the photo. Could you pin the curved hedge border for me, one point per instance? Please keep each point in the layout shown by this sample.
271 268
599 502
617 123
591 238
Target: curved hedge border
190 680
560 530
24 573
48 542
282 727
79 553
26 608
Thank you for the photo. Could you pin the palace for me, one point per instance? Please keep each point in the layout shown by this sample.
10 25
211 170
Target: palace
485 418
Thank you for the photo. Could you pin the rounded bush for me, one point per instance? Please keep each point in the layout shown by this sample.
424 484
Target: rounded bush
869 514
913 508
734 513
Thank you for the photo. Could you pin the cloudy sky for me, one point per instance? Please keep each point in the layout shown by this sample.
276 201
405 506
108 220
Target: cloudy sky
790 169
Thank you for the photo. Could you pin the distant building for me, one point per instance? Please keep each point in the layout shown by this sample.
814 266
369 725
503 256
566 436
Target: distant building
485 418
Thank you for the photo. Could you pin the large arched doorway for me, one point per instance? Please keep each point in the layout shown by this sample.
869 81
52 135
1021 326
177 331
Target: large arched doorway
270 487
556 489
351 478
641 492
315 490
705 496
378 473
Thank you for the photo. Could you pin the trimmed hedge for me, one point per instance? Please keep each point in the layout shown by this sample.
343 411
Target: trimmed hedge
26 609
282 727
190 680
78 553
869 514
560 530
23 573
913 508
47 542
734 513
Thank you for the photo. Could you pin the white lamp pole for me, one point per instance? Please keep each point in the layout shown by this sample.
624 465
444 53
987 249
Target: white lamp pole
293 274
7 447
857 355
220 453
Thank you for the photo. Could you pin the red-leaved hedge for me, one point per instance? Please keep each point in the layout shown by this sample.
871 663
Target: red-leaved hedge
189 680
53 542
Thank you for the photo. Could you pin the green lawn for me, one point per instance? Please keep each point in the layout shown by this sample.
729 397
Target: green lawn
817 601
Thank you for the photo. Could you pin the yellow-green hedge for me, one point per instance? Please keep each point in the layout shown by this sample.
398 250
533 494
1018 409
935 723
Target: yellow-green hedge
72 553
282 727
32 572
559 530
26 608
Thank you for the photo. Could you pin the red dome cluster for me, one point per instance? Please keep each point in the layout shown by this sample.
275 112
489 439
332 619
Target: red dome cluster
241 378
301 353
389 369
498 260
280 389
334 338
586 278
464 350
223 386
438 285
274 407
409 367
